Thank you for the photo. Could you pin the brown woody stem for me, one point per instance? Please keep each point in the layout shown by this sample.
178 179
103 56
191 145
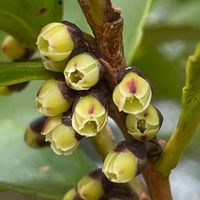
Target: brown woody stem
158 186
107 26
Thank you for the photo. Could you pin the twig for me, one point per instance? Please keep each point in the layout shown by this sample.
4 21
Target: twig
158 186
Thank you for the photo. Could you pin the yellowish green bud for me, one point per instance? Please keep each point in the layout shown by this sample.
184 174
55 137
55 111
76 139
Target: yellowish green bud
12 48
89 116
145 125
53 98
56 41
133 94
82 72
9 89
72 195
4 90
90 186
120 167
125 162
61 135
33 136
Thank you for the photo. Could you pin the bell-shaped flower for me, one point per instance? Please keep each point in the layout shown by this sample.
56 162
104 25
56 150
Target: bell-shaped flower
89 116
62 136
56 42
133 94
125 162
53 98
145 125
82 72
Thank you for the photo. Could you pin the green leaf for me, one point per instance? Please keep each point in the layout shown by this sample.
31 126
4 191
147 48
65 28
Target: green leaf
12 73
37 171
134 13
162 56
14 195
24 18
185 13
175 13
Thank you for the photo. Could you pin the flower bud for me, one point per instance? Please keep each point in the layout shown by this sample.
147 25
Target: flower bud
90 186
14 49
89 116
57 40
72 195
53 98
125 162
133 94
4 90
33 135
82 72
120 167
61 135
9 89
145 125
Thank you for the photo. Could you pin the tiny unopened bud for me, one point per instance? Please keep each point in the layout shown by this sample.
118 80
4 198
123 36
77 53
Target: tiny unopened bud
133 94
53 98
72 194
4 90
9 89
89 117
145 125
90 186
125 162
61 135
57 41
14 49
33 135
83 71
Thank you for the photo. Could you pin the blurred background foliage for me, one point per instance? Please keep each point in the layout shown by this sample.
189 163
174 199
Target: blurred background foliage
170 33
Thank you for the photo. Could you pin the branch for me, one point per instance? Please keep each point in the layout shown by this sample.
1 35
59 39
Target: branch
189 118
107 27
158 186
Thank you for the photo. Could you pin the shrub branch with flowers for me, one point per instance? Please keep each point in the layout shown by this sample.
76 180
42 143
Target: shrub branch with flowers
88 82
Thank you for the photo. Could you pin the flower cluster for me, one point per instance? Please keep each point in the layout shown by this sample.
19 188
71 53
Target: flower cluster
75 106
72 107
